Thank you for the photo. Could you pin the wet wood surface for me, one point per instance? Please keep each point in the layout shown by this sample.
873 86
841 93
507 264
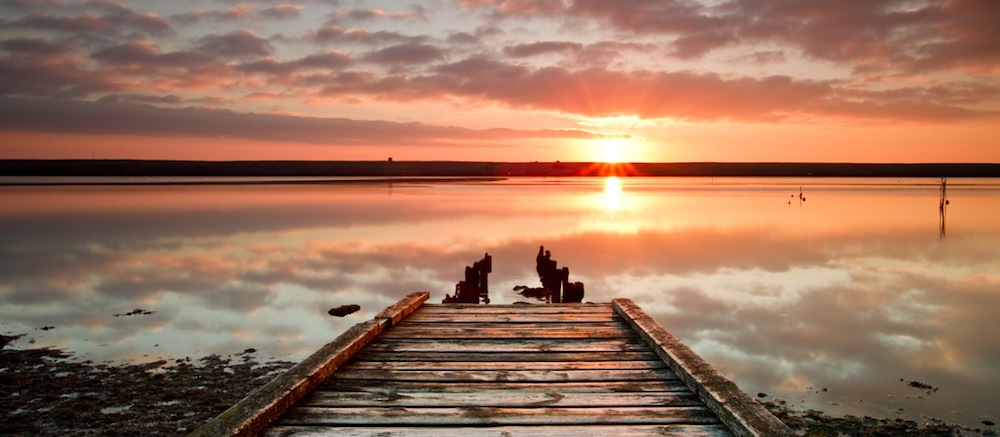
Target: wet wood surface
520 370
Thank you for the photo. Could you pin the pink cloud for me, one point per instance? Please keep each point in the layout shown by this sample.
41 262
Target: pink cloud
118 117
283 11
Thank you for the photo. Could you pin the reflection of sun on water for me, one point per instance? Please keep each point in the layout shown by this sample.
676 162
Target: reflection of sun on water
614 210
612 193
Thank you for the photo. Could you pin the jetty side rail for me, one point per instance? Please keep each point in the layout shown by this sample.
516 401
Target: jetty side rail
264 405
743 415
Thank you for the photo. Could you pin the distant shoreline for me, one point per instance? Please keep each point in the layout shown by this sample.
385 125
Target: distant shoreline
424 169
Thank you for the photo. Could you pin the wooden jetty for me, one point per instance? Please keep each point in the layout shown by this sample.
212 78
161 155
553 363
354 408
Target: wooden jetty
500 370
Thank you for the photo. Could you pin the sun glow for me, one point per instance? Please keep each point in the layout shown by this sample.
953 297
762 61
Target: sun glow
614 150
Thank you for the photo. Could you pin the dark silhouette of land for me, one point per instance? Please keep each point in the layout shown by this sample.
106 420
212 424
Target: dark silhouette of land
144 168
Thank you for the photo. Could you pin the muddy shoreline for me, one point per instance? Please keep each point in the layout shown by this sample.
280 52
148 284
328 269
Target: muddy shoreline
45 392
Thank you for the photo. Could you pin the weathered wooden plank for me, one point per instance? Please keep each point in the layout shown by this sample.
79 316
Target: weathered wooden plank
506 346
262 406
480 416
516 317
523 326
364 385
406 306
506 375
500 331
500 399
508 431
369 355
356 365
741 413
513 309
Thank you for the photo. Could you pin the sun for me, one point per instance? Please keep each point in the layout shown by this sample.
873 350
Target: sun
613 150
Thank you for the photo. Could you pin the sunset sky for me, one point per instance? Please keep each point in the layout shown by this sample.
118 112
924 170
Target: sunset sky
502 80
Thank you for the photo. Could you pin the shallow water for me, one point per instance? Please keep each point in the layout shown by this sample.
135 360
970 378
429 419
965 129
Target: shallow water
833 302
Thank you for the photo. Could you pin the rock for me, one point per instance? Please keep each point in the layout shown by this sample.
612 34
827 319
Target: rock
344 310
6 339
136 312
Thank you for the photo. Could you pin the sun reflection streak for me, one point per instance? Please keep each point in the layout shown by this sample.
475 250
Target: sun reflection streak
612 193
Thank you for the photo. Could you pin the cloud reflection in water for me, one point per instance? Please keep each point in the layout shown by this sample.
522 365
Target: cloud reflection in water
850 291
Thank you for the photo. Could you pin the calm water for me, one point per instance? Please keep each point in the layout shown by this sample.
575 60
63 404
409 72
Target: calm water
827 302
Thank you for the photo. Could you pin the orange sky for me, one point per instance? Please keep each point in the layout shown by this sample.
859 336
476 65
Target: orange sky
507 80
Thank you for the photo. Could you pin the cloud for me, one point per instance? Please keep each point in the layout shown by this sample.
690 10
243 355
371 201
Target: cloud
411 53
239 43
541 48
283 11
111 22
600 92
34 47
516 8
147 54
118 118
325 61
238 13
332 34
360 14
57 75
869 36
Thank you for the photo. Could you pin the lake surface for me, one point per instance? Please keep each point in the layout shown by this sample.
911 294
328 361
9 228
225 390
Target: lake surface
834 300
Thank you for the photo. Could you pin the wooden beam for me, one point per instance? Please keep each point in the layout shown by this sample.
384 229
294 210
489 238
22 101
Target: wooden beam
744 416
406 306
264 405
487 416
568 308
507 346
500 399
366 386
510 317
357 364
423 356
507 331
523 376
513 431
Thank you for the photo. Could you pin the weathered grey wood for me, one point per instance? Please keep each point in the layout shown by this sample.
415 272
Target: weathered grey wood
507 346
357 365
571 369
513 431
742 414
507 375
363 385
262 406
499 331
600 308
500 399
370 355
483 416
514 317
